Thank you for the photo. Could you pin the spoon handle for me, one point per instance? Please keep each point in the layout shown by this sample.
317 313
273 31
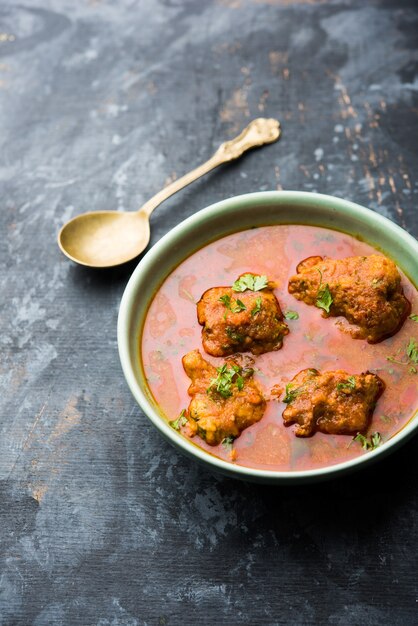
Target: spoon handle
258 132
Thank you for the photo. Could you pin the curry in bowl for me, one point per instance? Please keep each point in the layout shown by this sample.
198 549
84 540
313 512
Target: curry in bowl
284 348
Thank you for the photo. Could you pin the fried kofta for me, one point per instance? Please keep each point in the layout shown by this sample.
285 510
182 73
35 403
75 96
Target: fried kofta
225 400
243 318
366 290
333 402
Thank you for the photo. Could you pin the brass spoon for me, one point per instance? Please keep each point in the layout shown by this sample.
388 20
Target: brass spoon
109 238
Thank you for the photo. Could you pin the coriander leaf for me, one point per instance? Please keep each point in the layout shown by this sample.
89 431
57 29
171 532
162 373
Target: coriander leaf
251 282
375 441
239 379
227 442
363 440
244 282
180 421
239 306
291 315
412 356
260 282
291 394
324 299
257 307
350 383
226 300
225 379
223 382
414 317
412 350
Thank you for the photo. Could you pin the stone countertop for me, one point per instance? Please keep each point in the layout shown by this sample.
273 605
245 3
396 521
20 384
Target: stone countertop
102 102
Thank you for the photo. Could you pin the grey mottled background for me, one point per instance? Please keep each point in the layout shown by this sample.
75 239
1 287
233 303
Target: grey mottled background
101 103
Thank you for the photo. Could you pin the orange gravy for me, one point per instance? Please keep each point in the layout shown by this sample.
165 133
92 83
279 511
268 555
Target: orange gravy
171 330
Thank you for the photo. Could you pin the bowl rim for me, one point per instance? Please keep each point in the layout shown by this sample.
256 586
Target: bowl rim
187 446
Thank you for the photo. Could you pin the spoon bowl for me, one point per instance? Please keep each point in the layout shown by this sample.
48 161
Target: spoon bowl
105 238
110 238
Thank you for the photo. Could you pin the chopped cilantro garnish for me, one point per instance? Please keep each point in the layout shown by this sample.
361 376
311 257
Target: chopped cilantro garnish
375 441
291 394
226 300
180 421
257 307
240 383
412 350
412 356
414 317
228 304
223 382
253 282
226 377
260 282
291 315
240 306
227 442
324 298
350 383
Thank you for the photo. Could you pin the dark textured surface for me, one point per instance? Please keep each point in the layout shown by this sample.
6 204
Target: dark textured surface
101 522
